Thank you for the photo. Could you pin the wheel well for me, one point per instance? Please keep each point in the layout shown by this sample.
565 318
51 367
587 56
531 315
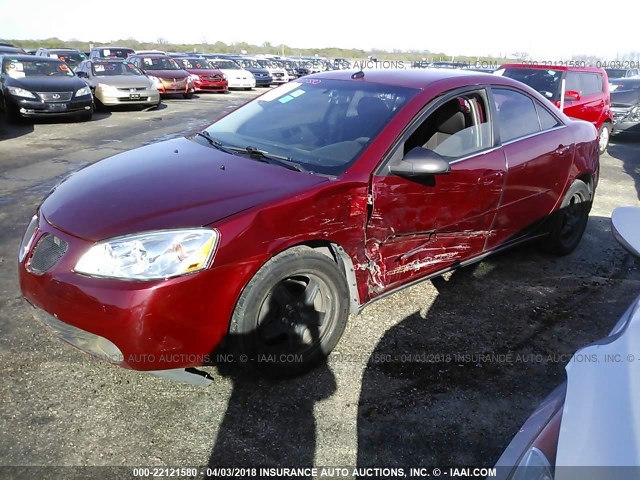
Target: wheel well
587 178
345 264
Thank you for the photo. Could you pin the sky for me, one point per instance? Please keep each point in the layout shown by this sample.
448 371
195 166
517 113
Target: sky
545 29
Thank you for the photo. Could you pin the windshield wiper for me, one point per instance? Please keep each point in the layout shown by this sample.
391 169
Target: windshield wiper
254 153
267 157
214 143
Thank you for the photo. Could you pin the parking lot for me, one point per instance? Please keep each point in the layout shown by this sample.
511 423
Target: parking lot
441 374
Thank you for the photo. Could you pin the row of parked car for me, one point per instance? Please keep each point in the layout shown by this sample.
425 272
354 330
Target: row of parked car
65 81
608 98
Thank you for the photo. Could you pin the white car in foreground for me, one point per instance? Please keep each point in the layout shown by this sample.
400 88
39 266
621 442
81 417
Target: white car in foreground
589 427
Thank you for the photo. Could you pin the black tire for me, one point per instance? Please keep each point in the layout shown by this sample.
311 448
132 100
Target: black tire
188 96
248 88
568 224
604 134
11 112
290 315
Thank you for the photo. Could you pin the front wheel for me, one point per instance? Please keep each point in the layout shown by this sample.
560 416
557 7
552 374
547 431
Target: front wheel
188 96
604 135
568 224
291 314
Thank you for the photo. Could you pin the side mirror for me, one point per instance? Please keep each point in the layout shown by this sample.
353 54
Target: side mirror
420 162
572 95
624 225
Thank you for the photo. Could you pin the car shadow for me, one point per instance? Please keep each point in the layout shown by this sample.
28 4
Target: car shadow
453 382
268 422
626 148
10 130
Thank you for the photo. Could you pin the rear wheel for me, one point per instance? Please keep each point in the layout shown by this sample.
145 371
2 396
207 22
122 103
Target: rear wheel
291 314
604 135
569 223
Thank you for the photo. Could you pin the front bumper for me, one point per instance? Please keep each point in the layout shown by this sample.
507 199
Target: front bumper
175 88
139 98
37 108
141 325
263 81
625 120
211 85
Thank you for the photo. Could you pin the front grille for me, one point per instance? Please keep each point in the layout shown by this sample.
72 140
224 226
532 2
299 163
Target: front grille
48 251
278 75
141 99
55 96
138 89
212 77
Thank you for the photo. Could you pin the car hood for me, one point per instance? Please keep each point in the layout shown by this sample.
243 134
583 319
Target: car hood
205 72
625 98
601 416
124 81
234 73
171 184
167 73
47 84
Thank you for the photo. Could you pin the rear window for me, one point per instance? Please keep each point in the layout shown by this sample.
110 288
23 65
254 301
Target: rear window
545 82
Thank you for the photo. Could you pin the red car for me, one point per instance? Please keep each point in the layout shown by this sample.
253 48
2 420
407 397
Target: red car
205 77
580 92
258 236
168 77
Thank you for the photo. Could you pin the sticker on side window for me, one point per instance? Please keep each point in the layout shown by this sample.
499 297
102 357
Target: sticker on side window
99 68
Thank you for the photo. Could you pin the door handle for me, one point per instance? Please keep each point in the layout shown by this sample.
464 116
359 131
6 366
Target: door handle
562 149
489 177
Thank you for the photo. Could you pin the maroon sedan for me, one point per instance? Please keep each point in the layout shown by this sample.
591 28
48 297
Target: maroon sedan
205 77
258 236
167 76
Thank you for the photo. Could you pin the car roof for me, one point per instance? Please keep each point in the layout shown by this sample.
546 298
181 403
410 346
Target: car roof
28 58
563 68
61 49
112 46
151 55
420 78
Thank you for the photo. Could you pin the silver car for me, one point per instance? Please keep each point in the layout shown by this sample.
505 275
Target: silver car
118 82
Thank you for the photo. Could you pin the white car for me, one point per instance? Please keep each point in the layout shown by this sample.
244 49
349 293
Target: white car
278 74
237 77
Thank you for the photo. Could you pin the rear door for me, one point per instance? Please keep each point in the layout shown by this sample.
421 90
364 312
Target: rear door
539 151
592 96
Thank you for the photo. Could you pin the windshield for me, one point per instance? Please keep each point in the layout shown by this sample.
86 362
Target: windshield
546 82
323 125
616 72
159 63
195 63
110 69
20 68
72 58
116 52
224 64
247 63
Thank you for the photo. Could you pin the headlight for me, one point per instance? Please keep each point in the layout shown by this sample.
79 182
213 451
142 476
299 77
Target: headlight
194 78
83 92
20 92
224 76
28 238
156 81
107 88
151 255
534 466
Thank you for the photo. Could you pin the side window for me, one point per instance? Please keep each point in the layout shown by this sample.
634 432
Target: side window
458 128
547 120
591 83
517 116
572 82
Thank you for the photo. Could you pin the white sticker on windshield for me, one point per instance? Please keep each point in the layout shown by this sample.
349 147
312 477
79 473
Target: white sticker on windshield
99 68
279 92
107 52
148 61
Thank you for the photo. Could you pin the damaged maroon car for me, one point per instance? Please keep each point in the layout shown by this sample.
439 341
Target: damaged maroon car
258 236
